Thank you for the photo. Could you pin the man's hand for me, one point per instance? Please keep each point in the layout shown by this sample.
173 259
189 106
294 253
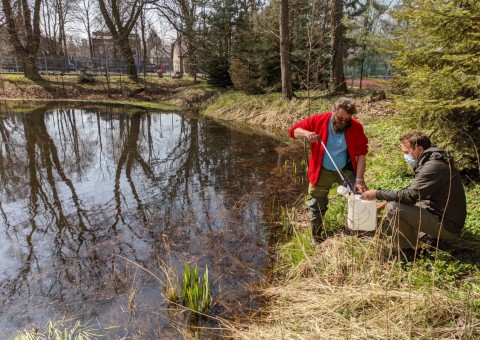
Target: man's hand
369 195
311 136
360 186
381 205
308 135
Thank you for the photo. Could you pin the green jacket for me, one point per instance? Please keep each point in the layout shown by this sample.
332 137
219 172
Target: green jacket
438 187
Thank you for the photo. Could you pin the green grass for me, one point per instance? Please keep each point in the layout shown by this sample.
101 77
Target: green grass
196 294
298 250
17 78
441 270
299 107
116 83
149 105
160 106
336 216
472 224
385 165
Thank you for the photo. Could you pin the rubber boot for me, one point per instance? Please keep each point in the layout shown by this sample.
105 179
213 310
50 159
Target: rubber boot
318 236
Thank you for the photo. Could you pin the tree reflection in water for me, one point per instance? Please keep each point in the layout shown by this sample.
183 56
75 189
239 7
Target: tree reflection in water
80 186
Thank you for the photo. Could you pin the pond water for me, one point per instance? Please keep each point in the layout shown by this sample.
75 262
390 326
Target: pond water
95 202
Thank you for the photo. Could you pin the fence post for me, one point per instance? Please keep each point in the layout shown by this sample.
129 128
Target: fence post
353 74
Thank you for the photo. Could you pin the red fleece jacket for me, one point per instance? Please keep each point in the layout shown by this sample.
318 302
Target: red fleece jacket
357 142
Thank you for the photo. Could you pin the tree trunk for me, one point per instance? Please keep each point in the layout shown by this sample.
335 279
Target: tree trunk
190 40
30 68
285 64
145 54
62 36
120 29
127 56
366 29
322 63
337 77
22 24
90 45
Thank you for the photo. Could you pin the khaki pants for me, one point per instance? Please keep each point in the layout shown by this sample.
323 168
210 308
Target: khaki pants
318 202
407 221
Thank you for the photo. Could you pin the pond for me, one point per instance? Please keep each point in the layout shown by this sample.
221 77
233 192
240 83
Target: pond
96 203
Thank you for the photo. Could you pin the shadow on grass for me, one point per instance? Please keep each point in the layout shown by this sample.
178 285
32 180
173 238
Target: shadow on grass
66 87
466 249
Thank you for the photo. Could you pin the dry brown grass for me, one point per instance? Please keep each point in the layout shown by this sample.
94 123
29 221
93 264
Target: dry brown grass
353 289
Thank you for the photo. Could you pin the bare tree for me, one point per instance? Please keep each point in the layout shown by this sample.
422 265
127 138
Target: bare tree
85 12
120 18
182 15
49 27
143 37
55 14
154 46
63 8
337 77
285 64
24 32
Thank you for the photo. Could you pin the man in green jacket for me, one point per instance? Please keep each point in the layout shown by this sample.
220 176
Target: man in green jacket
433 204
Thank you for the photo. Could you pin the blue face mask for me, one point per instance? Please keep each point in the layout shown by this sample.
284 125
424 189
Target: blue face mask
409 159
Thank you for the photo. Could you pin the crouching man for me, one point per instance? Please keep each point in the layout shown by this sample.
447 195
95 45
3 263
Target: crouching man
433 204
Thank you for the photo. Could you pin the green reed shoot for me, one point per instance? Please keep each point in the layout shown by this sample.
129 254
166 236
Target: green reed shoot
303 163
196 293
286 217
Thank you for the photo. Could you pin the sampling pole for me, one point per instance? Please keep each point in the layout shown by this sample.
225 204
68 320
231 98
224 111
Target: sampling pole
342 176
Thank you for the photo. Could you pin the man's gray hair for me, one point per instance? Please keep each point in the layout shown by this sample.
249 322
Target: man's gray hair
347 104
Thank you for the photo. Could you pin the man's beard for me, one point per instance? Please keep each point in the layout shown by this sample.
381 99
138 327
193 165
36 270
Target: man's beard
340 126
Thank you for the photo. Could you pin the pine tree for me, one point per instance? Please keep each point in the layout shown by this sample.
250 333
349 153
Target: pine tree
437 49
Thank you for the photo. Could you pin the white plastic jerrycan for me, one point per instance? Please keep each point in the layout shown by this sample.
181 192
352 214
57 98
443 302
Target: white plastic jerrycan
362 214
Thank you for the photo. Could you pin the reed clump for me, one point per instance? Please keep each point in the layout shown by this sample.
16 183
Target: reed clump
196 294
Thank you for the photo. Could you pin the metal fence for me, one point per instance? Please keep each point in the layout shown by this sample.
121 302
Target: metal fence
373 68
55 64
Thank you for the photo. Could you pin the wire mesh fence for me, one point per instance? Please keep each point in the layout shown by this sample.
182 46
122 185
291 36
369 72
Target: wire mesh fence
375 69
59 64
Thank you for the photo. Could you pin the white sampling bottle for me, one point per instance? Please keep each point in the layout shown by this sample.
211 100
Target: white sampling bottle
362 214
342 191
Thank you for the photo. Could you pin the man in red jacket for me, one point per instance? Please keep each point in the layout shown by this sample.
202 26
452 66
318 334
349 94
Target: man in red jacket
346 142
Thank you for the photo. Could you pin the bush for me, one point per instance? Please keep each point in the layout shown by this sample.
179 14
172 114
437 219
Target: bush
85 76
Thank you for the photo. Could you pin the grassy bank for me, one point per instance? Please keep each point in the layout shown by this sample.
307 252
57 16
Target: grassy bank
352 287
151 91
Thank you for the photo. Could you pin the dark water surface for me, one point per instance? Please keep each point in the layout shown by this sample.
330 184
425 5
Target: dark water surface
86 193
